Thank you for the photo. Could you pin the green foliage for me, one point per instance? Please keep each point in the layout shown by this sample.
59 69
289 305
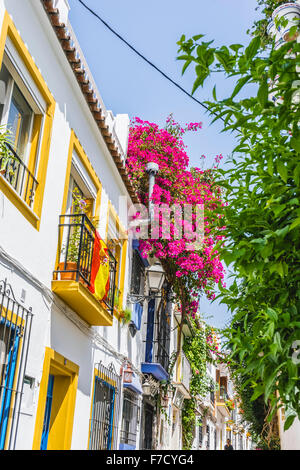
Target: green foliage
197 353
262 190
126 316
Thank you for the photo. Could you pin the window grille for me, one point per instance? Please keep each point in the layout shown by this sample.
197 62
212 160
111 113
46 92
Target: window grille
15 329
106 406
208 437
137 274
158 334
200 426
129 419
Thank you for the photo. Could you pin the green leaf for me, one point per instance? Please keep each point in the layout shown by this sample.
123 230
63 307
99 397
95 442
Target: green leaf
242 81
263 93
289 421
295 224
253 47
295 143
282 170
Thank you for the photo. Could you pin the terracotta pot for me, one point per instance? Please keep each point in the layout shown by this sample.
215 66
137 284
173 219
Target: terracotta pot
69 266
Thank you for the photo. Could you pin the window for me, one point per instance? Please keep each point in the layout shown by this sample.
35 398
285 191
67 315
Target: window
105 409
56 405
137 274
15 326
208 437
26 115
117 245
200 427
129 419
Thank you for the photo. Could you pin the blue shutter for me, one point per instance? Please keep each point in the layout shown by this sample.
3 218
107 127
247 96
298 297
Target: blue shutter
150 330
8 383
46 425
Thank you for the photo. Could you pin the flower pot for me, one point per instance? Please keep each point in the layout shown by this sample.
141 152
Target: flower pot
291 13
2 172
68 276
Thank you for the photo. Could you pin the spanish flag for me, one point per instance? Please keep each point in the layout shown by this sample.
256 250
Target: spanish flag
99 283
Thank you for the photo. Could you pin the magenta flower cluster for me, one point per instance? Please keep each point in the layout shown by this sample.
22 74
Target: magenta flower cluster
197 270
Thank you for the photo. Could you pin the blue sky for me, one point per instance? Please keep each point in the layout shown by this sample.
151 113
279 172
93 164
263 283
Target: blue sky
129 85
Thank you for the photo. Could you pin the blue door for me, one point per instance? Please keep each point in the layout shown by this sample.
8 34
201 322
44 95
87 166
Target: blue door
102 423
7 384
46 425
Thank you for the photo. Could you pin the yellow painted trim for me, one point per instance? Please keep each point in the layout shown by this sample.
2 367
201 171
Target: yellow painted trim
82 301
121 263
18 321
76 145
178 365
9 30
52 361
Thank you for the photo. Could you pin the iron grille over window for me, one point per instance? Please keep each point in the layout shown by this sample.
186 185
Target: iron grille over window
76 239
158 332
208 437
15 329
200 426
129 419
137 274
17 174
212 394
106 405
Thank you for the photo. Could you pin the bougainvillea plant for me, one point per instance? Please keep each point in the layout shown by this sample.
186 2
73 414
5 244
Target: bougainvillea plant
190 270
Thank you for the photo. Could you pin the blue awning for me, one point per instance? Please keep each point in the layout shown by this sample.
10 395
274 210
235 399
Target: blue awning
135 385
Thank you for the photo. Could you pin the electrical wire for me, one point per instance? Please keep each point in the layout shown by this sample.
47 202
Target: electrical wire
147 60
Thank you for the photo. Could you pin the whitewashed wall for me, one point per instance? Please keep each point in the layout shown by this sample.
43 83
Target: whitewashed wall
54 324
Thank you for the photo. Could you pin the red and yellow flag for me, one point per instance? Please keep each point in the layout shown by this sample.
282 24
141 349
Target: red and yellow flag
99 283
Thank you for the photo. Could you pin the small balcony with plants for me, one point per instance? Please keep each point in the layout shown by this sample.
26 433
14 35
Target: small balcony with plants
85 270
14 174
183 375
224 402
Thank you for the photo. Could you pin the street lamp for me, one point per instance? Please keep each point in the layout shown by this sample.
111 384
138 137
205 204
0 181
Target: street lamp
155 276
155 279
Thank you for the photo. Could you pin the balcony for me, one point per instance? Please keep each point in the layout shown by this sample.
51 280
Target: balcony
157 355
184 375
16 175
221 402
72 277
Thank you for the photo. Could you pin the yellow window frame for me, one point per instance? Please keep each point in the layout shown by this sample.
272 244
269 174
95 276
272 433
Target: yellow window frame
33 215
121 260
60 437
76 146
18 322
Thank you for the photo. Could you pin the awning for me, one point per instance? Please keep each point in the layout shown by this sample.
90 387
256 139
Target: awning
135 385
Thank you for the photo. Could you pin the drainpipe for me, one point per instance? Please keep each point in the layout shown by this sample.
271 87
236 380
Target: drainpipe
152 170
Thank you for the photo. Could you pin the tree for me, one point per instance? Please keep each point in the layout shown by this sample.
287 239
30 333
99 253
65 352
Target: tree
262 211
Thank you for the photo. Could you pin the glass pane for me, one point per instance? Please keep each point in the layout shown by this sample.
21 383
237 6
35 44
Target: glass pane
19 120
4 78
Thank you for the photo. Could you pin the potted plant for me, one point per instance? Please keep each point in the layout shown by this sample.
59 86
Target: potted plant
126 315
6 155
71 263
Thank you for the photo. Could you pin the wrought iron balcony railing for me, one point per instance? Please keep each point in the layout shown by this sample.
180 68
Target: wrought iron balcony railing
223 395
16 173
76 241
